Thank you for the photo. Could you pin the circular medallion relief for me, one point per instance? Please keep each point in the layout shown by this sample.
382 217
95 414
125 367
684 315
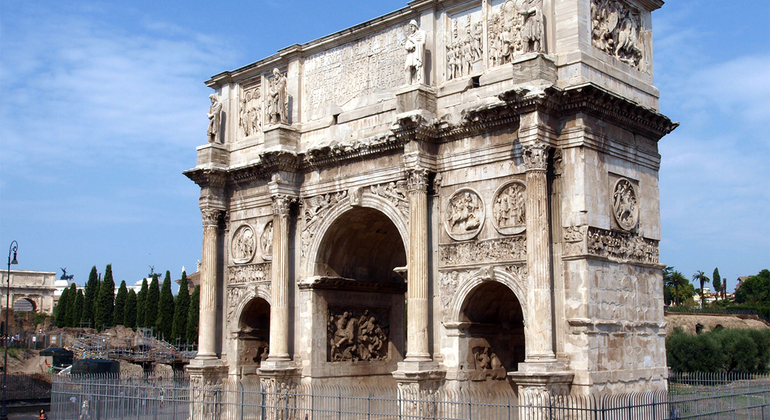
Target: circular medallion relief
625 204
508 208
464 214
267 241
244 244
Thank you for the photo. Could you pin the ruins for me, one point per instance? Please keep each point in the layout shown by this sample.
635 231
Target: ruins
458 194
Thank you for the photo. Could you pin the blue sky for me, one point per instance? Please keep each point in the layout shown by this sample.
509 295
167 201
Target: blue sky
103 104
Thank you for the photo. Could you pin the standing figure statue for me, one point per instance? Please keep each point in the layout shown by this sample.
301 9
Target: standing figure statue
415 52
532 32
276 106
215 118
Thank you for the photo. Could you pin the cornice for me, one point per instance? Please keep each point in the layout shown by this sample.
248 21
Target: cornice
331 155
205 177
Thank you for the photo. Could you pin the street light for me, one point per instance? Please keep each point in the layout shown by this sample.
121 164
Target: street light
14 247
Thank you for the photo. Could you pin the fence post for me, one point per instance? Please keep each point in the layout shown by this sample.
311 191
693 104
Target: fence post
339 402
369 404
240 384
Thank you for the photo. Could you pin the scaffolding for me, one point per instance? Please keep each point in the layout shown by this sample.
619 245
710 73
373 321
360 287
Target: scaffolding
141 348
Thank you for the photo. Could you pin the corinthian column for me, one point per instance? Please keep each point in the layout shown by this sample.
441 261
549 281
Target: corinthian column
279 306
540 323
417 277
207 331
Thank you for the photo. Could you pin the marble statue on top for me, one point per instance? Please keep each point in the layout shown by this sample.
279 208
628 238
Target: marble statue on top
415 53
277 105
215 119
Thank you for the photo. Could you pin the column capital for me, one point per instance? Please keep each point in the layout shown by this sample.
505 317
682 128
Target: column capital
211 217
281 204
535 156
417 179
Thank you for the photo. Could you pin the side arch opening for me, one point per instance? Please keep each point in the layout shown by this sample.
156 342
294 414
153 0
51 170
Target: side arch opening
254 332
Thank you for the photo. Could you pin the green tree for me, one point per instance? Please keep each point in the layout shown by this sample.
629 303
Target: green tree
192 317
699 276
92 288
79 303
716 281
165 322
181 309
61 309
119 315
151 305
106 300
676 280
129 319
72 308
141 305
755 289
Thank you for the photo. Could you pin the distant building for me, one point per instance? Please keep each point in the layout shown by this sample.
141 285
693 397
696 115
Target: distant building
31 290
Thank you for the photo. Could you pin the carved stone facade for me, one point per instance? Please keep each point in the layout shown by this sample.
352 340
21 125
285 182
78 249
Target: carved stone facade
473 225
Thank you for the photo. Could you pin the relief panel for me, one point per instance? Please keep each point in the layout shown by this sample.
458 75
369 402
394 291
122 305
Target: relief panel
243 244
464 215
514 28
250 114
512 248
357 334
464 43
617 30
508 208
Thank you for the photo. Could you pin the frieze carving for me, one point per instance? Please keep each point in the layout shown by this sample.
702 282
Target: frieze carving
573 239
508 208
234 296
465 46
250 112
516 28
512 248
622 246
487 364
625 206
617 30
395 192
464 214
357 334
243 244
448 283
266 241
313 210
535 156
240 274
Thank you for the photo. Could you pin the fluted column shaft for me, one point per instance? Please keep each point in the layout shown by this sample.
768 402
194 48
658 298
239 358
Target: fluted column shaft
207 326
417 278
279 305
540 302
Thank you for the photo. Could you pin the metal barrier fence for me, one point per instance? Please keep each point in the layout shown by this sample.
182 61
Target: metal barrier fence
147 397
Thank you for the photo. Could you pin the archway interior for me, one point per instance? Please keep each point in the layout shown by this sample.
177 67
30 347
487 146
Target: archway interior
24 305
496 330
254 332
364 245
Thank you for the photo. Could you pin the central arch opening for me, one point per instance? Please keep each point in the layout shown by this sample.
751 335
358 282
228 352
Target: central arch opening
362 244
495 331
360 295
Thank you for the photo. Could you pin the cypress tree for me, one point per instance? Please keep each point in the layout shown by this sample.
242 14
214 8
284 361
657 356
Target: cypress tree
151 305
141 305
106 301
88 303
182 307
118 315
72 309
79 303
61 309
192 317
129 319
165 321
716 281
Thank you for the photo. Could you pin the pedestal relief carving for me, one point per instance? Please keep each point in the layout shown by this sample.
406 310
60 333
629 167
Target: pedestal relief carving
239 274
574 238
494 250
357 334
250 112
622 247
625 206
266 241
508 208
617 30
464 214
243 244
395 192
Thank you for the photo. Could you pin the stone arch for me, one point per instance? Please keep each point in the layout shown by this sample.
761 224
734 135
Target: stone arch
515 282
238 306
23 303
252 330
368 201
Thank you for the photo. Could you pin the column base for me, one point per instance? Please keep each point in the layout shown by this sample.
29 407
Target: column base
205 374
416 381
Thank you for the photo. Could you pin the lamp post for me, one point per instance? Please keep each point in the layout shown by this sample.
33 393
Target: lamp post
14 247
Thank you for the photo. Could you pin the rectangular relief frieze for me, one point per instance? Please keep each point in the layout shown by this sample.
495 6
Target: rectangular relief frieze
357 334
241 274
512 248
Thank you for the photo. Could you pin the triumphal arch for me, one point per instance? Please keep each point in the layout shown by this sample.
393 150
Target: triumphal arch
459 193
